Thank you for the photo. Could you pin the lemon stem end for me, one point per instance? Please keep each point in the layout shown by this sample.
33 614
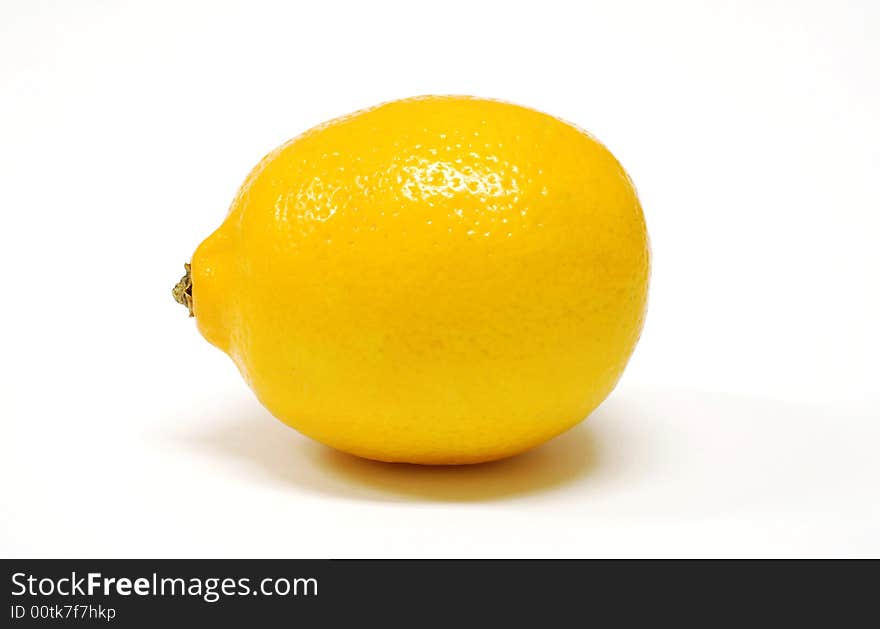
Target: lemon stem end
182 292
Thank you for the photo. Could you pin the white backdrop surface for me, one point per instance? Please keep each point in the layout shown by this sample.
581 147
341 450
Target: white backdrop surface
747 424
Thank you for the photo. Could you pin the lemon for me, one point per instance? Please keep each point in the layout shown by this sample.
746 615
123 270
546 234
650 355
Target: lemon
436 280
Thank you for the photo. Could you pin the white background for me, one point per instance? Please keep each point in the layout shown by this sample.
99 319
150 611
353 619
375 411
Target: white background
746 424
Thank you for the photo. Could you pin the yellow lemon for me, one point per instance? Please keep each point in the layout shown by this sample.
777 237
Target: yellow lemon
435 280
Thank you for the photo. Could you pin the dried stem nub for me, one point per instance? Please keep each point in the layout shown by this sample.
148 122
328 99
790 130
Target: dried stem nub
183 291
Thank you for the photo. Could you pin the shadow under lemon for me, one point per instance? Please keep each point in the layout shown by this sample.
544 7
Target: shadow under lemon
643 453
282 456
